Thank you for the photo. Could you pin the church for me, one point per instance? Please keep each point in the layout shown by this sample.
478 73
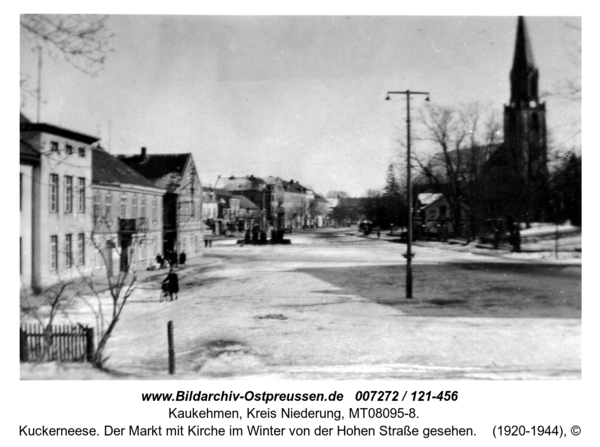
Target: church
519 167
506 181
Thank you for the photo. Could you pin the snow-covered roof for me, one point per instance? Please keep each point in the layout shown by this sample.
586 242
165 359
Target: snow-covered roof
427 198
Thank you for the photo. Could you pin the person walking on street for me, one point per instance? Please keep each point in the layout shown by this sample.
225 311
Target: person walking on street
172 280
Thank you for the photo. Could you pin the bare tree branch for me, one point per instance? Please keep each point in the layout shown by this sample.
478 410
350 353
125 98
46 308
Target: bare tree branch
83 40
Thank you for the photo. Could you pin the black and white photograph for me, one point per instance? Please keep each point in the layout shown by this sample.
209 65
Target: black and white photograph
300 197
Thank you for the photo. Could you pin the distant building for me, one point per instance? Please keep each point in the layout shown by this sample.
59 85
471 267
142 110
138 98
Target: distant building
177 176
236 212
56 222
285 203
127 211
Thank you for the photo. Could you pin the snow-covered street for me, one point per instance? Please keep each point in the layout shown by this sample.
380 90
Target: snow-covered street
332 306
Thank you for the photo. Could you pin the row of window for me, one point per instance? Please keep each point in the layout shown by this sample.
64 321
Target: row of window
68 251
69 150
70 194
105 209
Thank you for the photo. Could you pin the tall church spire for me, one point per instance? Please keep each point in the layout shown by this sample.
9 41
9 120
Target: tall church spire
524 74
525 130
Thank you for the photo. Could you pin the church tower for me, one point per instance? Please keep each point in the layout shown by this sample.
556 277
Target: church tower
525 123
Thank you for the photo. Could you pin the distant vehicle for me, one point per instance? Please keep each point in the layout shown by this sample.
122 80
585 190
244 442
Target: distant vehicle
495 232
366 226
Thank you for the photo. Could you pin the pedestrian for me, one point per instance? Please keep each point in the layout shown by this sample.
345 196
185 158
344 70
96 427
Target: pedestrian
205 242
182 258
172 280
517 240
496 238
210 242
159 261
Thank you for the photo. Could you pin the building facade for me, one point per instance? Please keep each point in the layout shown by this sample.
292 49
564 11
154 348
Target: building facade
127 211
176 175
60 221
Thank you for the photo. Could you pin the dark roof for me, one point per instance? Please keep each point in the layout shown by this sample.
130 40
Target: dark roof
29 153
319 198
108 169
156 166
465 162
221 192
246 203
27 126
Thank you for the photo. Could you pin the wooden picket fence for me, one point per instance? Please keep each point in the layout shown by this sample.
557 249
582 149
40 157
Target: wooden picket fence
62 343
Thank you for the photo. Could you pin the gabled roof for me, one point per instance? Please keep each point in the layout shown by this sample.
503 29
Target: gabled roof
108 169
156 166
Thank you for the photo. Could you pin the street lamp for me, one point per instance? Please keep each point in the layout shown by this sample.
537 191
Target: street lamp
409 254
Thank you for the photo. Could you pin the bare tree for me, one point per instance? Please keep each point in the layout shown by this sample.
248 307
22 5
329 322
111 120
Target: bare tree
82 40
464 138
120 286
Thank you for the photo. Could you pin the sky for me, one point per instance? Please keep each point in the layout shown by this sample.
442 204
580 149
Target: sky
298 97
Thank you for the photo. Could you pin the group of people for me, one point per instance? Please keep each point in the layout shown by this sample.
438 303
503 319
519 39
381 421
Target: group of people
170 260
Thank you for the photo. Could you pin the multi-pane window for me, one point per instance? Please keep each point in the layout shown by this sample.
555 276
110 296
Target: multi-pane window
53 252
96 205
81 249
134 206
143 207
54 146
69 149
68 194
108 205
154 208
81 195
123 213
81 151
54 193
68 250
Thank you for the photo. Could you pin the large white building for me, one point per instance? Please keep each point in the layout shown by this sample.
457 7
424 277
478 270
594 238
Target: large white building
56 223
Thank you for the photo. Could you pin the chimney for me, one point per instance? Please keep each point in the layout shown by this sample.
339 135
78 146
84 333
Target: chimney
143 152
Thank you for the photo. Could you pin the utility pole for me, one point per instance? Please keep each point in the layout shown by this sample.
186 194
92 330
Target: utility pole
409 254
